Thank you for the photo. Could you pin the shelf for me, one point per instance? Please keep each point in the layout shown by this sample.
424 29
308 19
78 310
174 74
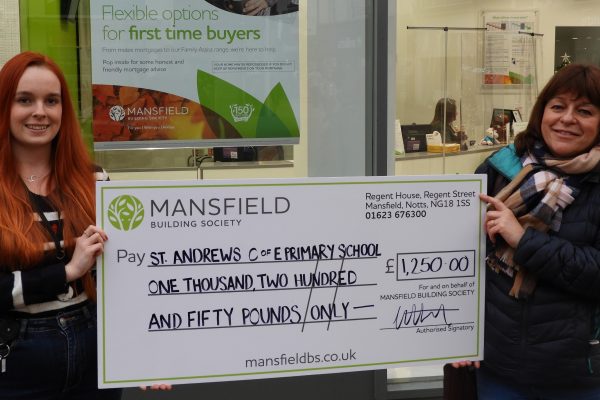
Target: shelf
423 154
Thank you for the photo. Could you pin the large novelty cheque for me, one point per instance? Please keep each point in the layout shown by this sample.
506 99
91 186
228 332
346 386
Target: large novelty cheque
226 280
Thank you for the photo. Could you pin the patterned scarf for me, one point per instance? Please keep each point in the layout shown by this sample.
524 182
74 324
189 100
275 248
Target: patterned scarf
537 195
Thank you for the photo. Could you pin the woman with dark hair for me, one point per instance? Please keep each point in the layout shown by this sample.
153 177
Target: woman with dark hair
542 322
443 118
48 240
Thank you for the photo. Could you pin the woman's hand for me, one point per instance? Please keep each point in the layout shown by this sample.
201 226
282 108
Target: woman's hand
253 7
466 363
158 386
502 221
88 246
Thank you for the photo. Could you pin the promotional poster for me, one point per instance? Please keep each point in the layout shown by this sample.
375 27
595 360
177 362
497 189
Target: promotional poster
214 72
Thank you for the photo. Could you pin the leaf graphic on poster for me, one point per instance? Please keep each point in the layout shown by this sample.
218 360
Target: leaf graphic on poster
219 96
277 115
242 111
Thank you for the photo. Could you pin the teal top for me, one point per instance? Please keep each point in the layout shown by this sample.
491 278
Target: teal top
506 161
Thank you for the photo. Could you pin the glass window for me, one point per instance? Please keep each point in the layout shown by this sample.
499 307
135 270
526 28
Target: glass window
448 54
332 95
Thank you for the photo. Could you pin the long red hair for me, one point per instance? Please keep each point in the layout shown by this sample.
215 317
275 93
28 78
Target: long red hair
21 239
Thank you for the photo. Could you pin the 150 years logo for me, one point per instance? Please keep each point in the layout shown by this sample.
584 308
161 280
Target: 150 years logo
125 212
241 113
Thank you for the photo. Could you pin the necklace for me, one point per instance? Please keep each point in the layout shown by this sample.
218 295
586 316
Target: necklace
33 178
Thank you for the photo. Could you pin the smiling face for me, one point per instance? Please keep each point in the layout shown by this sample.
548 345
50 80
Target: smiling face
570 125
36 111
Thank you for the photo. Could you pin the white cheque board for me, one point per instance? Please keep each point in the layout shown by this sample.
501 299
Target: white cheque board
207 281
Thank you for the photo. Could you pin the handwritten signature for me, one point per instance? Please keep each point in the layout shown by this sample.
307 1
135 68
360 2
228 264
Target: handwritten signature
415 316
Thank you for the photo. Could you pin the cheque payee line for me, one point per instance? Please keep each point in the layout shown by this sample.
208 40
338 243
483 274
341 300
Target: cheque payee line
253 262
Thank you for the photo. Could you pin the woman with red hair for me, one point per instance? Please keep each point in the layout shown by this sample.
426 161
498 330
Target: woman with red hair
48 240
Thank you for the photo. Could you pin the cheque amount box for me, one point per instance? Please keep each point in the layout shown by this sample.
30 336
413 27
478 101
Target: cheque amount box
435 265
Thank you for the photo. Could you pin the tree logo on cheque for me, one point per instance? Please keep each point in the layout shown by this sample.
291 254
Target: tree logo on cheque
126 212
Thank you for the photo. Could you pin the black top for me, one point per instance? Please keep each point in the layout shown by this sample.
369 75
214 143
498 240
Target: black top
42 289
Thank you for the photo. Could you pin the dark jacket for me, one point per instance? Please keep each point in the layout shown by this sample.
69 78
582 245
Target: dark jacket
546 339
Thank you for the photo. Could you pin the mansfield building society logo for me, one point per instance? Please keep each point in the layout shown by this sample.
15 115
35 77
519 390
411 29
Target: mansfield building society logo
117 113
125 212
